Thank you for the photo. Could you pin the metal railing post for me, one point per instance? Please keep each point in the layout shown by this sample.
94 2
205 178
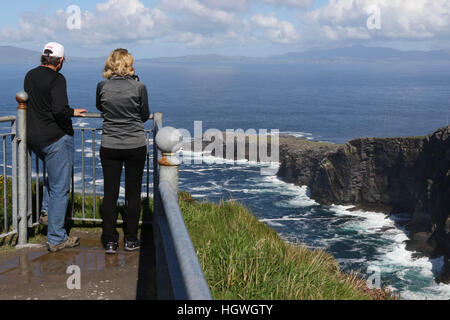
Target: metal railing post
15 208
163 283
22 98
177 257
157 120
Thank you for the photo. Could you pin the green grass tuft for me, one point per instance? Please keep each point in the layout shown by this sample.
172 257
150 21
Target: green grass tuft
243 258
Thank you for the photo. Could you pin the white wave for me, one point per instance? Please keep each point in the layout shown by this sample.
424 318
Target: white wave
203 188
393 257
144 194
297 134
300 195
97 141
80 123
274 223
367 222
286 218
77 177
434 292
208 159
198 195
88 152
97 182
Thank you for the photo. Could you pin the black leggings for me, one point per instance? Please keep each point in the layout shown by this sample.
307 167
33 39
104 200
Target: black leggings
112 163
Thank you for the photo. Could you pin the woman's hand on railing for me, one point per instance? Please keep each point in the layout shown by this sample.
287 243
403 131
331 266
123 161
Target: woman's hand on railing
79 112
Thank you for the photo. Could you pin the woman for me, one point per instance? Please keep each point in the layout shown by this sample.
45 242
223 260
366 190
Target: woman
123 101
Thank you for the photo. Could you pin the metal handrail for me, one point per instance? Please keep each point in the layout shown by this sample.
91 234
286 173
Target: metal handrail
179 273
7 119
13 224
193 284
98 115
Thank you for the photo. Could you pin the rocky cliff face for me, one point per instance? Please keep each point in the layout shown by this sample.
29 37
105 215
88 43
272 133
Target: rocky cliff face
410 175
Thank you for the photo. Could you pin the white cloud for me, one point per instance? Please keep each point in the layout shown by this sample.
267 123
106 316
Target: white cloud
276 30
342 20
291 3
199 9
212 23
113 21
228 5
123 20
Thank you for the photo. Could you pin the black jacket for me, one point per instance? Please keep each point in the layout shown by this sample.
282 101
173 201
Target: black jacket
48 115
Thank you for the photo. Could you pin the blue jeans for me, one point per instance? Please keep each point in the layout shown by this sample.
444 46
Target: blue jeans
58 158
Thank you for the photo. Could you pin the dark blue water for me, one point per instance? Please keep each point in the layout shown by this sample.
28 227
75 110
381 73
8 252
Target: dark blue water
327 103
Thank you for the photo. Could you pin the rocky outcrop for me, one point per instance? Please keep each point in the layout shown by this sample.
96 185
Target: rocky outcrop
408 174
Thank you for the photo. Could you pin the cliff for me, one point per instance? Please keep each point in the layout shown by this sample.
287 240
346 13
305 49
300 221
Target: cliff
391 175
408 175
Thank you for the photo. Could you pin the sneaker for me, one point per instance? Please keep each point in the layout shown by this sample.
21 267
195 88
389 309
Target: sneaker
132 245
111 247
43 219
71 242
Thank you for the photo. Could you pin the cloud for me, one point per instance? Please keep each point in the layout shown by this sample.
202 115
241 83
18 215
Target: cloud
291 3
216 23
113 21
122 21
343 20
199 9
277 31
228 5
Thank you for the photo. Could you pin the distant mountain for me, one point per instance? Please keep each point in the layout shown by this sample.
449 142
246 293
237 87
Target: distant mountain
13 55
363 54
209 58
339 55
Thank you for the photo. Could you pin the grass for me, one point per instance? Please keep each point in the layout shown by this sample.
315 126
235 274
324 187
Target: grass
243 258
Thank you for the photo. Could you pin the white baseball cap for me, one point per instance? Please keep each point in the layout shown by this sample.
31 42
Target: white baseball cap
57 49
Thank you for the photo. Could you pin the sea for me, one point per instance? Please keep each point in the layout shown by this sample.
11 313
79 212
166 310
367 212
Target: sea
320 102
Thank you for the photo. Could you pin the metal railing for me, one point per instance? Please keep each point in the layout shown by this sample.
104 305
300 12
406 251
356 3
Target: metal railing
9 224
179 273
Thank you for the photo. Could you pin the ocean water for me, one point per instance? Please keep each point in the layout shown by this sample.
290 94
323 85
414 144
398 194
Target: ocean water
324 103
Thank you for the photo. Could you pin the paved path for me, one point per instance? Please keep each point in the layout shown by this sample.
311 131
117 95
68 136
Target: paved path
36 274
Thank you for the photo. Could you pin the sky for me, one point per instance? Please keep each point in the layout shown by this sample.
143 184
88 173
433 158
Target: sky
167 28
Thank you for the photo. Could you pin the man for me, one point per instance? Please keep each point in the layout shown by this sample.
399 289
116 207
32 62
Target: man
50 137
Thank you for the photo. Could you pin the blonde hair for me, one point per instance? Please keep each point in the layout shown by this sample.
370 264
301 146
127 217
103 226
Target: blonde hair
120 63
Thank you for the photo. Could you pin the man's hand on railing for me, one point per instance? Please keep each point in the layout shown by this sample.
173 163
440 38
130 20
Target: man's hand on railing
79 112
